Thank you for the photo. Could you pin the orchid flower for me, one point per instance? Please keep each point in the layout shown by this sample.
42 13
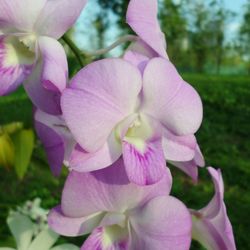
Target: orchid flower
113 109
211 226
22 229
120 214
29 51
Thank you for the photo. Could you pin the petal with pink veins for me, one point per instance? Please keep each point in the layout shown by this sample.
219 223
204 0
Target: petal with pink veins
169 99
107 190
163 223
51 22
20 15
16 63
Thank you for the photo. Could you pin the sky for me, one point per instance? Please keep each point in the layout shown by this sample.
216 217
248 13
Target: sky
85 33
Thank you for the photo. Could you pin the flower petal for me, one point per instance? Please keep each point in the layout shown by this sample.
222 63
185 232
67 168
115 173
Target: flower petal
72 226
20 15
100 239
101 95
16 63
22 229
44 99
82 161
44 240
147 167
50 22
163 223
168 98
56 138
211 225
178 148
142 18
55 66
107 190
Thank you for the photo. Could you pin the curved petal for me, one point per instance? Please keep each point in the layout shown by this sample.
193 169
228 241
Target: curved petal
211 225
107 190
53 145
22 229
100 95
55 65
178 148
142 18
51 23
163 223
44 99
73 226
56 138
82 161
20 15
169 99
44 240
16 64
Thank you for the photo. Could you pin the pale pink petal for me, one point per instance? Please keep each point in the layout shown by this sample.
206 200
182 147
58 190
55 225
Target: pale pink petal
169 99
178 148
82 161
20 15
44 99
53 145
107 190
142 18
58 16
139 54
12 71
211 225
100 96
163 223
55 66
96 241
72 226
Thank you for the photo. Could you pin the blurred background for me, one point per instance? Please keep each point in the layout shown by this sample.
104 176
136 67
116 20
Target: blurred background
209 42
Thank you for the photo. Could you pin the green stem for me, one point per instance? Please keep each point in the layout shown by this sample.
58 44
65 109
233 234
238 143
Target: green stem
77 52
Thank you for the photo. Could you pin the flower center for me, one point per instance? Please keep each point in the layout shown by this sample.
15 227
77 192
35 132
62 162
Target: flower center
13 51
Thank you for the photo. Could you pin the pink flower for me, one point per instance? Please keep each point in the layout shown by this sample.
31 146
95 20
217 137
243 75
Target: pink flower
211 226
113 109
29 51
120 214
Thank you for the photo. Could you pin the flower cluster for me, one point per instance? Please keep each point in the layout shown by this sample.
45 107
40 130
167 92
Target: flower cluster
114 125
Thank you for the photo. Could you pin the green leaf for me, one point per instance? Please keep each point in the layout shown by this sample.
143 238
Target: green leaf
12 127
6 151
24 144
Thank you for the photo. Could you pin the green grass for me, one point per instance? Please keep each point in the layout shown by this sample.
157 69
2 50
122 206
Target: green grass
224 139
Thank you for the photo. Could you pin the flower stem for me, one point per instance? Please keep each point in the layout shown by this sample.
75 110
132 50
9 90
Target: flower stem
121 40
77 52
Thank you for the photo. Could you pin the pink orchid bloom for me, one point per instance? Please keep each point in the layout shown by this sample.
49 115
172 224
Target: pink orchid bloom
211 226
120 214
29 51
112 109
